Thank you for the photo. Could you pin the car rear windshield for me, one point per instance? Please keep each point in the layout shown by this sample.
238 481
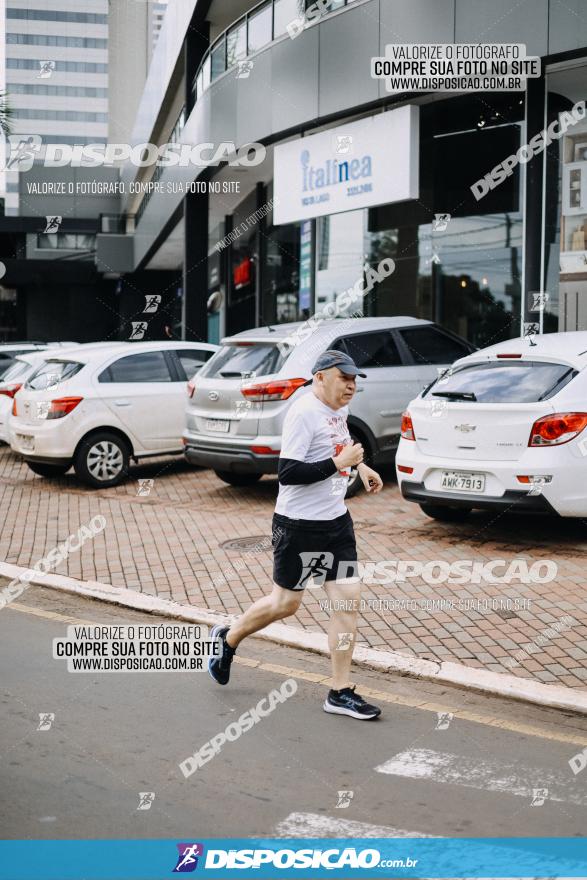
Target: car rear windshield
18 369
254 359
52 373
502 382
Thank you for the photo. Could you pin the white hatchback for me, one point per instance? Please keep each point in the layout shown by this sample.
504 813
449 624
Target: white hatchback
502 429
99 405
12 381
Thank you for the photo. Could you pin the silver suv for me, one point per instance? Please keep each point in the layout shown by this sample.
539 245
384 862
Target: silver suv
239 398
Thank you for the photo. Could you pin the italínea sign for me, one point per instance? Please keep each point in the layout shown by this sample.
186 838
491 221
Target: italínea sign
356 165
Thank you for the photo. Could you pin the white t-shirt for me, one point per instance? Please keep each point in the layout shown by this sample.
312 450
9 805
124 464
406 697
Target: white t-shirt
313 431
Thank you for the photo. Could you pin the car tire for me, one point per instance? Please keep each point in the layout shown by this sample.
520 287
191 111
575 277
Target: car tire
48 470
234 479
446 514
101 460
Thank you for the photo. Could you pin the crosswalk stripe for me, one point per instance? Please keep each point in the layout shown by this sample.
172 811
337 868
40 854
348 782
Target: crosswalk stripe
496 776
317 825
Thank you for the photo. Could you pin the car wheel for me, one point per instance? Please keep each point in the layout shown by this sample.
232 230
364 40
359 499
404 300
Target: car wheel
234 479
48 470
101 460
446 514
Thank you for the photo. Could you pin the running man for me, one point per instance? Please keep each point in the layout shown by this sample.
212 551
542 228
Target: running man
310 523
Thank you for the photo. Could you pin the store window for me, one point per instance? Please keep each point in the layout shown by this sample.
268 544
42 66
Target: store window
8 315
287 270
339 256
564 264
458 259
242 265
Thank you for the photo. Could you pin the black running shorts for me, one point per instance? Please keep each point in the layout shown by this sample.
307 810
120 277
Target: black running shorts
310 549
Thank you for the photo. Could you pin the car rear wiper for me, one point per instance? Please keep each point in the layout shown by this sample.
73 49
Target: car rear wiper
455 395
230 374
552 389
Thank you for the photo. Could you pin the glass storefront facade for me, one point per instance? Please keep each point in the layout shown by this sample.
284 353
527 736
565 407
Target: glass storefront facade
459 260
564 255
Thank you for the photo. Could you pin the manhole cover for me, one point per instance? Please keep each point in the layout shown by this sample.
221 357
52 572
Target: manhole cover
254 543
505 614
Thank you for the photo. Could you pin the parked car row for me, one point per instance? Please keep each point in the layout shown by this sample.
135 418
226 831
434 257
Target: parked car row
99 405
234 423
96 406
501 428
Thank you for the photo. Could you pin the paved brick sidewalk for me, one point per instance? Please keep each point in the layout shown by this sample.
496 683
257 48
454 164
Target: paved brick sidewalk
172 543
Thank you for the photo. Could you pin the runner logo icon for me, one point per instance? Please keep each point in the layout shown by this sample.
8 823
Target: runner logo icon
187 860
316 566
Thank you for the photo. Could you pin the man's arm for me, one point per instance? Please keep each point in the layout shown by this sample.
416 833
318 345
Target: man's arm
293 470
301 473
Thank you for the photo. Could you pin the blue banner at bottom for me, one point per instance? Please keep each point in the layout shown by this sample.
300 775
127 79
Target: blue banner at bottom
228 858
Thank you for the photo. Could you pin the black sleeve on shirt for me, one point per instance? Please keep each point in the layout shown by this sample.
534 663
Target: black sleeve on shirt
299 473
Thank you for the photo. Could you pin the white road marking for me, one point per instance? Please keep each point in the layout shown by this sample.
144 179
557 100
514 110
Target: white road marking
317 825
495 776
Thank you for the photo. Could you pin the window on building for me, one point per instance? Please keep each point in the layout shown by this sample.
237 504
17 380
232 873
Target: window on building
218 62
70 91
236 43
259 33
54 40
564 269
58 66
284 12
69 241
51 15
339 246
65 115
206 73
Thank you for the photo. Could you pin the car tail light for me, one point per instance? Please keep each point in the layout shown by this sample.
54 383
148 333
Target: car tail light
404 469
191 388
14 412
62 407
407 427
557 429
509 355
536 479
10 390
278 389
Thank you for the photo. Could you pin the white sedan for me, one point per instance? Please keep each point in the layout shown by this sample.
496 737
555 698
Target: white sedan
503 429
100 404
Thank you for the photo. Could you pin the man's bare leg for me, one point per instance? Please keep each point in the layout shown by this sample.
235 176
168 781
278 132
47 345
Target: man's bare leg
342 623
279 604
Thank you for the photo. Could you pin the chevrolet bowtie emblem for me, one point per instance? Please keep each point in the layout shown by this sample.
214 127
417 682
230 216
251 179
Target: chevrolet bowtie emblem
466 429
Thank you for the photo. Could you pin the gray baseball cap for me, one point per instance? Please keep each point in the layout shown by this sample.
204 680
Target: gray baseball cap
339 359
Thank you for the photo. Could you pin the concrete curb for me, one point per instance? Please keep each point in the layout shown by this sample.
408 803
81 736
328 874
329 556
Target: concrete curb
498 684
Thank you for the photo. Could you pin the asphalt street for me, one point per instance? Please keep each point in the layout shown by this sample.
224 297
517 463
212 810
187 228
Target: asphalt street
424 768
